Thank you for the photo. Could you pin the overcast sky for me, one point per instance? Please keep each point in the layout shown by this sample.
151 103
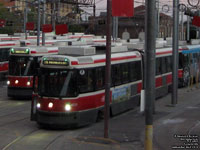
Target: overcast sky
101 4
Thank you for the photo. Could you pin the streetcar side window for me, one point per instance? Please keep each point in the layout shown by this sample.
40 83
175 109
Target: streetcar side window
99 74
125 73
116 75
85 80
135 71
169 63
158 66
164 65
4 54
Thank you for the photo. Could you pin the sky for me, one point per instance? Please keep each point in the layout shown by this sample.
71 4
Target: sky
101 4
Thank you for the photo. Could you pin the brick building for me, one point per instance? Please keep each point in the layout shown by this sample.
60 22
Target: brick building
136 24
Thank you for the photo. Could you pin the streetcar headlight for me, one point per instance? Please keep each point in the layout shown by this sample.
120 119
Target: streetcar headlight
50 105
28 83
16 81
68 107
8 82
38 105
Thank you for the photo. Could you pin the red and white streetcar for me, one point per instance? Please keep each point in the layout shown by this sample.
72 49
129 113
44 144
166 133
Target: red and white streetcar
71 92
23 64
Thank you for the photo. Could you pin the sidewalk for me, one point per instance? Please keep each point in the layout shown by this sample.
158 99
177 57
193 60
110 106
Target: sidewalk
126 131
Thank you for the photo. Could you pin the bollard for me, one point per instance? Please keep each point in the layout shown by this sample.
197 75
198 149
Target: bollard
142 101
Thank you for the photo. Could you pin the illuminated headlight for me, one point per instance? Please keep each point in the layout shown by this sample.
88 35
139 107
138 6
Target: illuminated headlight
68 107
38 105
16 81
50 105
28 83
8 82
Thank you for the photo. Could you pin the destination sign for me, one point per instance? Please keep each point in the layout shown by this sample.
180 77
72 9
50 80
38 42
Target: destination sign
55 62
20 51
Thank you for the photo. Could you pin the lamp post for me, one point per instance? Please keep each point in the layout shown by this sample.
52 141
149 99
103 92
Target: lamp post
38 25
25 18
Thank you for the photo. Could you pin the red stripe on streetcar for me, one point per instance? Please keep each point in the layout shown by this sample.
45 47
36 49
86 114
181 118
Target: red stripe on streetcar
7 44
104 60
53 51
159 82
4 67
180 73
169 78
139 87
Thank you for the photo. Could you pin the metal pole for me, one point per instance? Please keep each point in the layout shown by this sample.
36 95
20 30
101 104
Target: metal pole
150 39
38 25
158 19
175 52
25 18
188 28
54 15
58 11
94 16
182 26
43 20
108 70
199 27
115 28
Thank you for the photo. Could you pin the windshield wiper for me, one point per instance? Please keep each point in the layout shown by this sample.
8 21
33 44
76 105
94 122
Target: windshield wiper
65 85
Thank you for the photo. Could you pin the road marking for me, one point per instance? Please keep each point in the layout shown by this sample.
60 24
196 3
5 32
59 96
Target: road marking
173 121
113 143
11 143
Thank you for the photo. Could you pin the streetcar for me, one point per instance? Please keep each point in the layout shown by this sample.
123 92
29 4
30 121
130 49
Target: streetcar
23 64
70 88
189 65
4 54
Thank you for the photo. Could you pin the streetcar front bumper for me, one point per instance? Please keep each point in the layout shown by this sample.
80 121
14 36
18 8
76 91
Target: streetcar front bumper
19 92
66 119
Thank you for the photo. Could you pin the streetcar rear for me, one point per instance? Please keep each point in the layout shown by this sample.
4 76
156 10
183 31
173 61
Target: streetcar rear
23 63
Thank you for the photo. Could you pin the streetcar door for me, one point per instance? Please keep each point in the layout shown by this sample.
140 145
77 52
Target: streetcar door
34 97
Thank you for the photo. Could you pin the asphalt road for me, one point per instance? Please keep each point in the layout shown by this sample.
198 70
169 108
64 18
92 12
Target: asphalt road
126 131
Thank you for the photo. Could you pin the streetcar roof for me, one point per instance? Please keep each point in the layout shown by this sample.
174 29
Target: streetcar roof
7 43
33 50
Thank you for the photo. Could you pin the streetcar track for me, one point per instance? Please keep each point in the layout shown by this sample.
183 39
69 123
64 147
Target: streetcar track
19 138
6 124
11 113
55 139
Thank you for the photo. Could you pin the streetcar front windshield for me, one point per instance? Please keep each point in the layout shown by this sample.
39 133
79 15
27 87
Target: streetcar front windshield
21 66
57 83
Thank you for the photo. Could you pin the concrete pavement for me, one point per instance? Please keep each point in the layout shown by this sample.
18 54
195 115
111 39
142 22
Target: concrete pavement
173 127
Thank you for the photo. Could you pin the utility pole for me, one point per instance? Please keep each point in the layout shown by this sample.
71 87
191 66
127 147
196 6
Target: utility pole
108 70
188 28
38 25
53 15
43 20
25 18
150 40
158 18
58 12
115 28
175 52
182 27
94 15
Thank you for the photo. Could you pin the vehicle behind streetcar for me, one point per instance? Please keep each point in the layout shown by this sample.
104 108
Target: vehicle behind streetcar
4 54
71 85
23 64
